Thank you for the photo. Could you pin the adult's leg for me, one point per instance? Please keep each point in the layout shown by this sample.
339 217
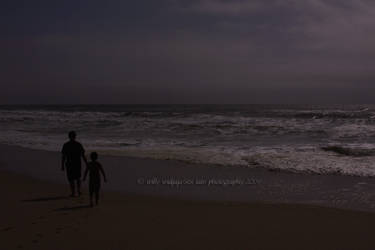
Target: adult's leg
72 187
70 176
79 187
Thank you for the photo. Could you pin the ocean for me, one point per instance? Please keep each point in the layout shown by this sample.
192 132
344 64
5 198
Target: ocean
312 139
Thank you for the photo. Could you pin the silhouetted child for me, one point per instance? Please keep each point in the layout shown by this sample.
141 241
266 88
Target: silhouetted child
94 167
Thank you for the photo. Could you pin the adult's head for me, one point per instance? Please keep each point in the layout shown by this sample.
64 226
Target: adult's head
72 135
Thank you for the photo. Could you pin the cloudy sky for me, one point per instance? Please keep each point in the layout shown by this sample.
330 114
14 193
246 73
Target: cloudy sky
187 51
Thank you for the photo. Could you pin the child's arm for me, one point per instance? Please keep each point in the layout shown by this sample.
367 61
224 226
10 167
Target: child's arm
102 170
86 170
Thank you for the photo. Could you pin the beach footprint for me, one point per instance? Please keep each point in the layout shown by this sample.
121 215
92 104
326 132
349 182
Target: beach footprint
39 235
59 230
7 229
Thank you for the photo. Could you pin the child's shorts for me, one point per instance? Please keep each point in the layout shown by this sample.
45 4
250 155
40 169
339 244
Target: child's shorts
94 187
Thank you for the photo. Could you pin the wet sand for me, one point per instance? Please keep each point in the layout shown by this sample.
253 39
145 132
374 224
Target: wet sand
173 179
37 214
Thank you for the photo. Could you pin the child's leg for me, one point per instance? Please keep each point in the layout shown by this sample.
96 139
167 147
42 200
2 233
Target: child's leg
72 188
97 197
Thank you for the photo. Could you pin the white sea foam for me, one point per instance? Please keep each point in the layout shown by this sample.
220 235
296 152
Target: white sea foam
324 141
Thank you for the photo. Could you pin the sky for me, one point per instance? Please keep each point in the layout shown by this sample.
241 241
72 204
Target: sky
187 51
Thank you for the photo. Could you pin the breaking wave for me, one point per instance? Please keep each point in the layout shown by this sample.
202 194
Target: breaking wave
320 140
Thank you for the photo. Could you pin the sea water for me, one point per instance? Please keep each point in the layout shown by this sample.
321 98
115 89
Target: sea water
334 139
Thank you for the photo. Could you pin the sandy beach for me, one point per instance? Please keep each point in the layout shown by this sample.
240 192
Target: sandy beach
37 214
215 124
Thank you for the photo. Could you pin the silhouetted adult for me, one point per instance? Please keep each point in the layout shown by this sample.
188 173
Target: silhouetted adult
72 152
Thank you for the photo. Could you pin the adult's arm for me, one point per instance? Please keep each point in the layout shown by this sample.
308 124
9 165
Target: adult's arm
83 155
103 173
63 158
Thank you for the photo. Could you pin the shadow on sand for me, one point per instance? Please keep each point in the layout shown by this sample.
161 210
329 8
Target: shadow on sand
47 199
72 208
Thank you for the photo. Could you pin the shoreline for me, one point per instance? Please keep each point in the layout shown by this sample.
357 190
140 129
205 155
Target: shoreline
38 214
254 167
179 180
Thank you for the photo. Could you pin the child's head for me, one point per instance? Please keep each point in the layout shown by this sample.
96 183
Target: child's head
94 156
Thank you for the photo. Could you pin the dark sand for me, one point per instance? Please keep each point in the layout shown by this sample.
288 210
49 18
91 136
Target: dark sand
130 175
37 214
